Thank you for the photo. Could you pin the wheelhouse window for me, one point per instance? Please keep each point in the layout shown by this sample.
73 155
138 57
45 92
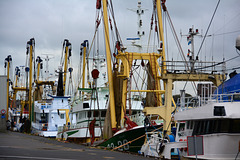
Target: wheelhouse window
219 111
62 116
89 114
95 114
181 127
103 113
85 105
235 126
216 126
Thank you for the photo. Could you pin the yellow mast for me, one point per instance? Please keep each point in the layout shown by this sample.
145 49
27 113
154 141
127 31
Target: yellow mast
168 94
160 31
67 54
84 64
31 43
8 59
16 83
39 60
16 89
109 67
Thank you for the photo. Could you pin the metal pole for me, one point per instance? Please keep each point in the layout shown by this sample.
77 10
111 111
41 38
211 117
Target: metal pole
195 146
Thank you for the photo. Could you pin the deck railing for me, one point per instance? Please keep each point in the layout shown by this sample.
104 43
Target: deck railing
193 102
196 67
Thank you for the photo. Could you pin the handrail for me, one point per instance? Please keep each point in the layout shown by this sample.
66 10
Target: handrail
193 102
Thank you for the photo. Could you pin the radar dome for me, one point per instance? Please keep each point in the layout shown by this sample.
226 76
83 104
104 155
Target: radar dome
238 42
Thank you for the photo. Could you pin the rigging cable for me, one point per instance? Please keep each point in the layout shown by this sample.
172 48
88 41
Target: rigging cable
225 33
208 28
228 22
205 36
177 40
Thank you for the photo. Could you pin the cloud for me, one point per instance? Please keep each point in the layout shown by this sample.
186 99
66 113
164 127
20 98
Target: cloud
51 21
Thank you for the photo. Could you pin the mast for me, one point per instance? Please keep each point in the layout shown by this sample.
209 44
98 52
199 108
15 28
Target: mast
84 45
39 64
161 35
30 44
139 11
8 60
68 48
46 65
109 67
17 73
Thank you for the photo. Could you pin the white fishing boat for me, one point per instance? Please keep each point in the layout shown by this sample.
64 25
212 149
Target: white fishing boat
208 126
52 111
50 114
213 128
89 111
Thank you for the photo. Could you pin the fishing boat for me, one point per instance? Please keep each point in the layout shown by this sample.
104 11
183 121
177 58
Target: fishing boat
209 128
90 107
134 74
52 111
49 115
207 125
89 110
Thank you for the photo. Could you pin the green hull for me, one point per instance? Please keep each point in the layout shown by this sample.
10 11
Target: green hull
125 137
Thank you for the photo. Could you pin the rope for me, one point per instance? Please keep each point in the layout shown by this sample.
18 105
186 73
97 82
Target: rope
134 139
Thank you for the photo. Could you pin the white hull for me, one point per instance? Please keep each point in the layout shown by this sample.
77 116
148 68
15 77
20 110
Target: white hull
78 133
225 146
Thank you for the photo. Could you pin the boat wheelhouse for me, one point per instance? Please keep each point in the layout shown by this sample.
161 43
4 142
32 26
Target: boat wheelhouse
217 122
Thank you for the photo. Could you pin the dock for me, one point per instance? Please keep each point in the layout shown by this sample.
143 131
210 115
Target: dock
15 145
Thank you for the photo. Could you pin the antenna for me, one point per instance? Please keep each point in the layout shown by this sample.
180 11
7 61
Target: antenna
190 40
47 58
140 11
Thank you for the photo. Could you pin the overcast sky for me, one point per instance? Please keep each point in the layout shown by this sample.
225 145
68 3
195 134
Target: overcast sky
51 21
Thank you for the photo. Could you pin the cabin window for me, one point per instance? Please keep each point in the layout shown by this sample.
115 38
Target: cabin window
103 114
43 116
62 116
181 127
216 126
203 127
224 126
196 126
89 114
85 105
62 100
95 114
235 126
209 127
200 128
79 115
192 124
188 123
134 112
219 111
